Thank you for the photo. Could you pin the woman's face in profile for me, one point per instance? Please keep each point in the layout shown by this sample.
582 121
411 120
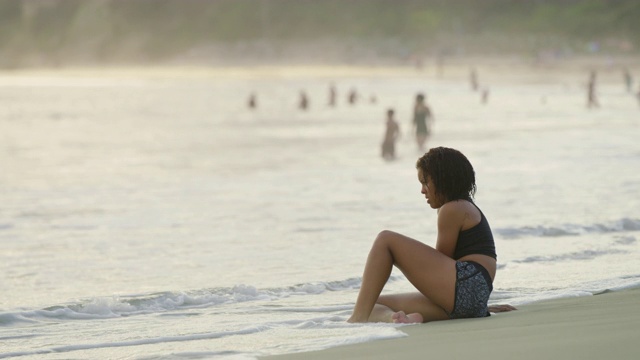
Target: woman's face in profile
429 191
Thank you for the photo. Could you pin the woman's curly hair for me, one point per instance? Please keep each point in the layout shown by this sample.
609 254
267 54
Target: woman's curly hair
450 171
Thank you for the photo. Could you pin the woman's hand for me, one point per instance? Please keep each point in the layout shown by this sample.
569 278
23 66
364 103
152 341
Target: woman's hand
501 308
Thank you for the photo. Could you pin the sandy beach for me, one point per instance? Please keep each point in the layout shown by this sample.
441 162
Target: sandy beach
593 327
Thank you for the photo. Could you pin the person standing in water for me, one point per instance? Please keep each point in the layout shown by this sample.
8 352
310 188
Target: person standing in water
422 116
332 95
628 80
473 79
454 279
391 134
303 103
592 100
352 98
252 103
484 96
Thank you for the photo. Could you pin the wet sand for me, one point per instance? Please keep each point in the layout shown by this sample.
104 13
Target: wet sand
593 327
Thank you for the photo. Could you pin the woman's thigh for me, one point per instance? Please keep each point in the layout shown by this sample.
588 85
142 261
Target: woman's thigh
430 271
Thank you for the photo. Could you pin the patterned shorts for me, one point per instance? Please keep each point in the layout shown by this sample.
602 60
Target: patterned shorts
473 287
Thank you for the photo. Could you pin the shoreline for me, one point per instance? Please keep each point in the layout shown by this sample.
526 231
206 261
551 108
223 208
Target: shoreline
590 327
492 71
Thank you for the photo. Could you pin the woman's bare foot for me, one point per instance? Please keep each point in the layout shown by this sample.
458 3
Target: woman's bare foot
401 318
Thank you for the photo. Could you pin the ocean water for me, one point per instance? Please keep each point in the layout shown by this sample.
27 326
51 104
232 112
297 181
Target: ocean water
151 215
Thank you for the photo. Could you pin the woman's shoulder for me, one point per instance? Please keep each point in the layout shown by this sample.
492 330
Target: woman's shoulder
463 211
455 208
459 205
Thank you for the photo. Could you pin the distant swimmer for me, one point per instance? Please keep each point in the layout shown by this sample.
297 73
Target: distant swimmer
628 80
252 103
332 95
484 97
592 100
353 97
422 117
391 134
304 101
473 79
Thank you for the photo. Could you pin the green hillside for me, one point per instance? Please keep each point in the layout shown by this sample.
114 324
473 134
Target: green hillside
36 32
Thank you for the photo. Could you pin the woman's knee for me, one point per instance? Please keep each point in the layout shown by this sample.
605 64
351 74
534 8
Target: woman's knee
386 235
384 238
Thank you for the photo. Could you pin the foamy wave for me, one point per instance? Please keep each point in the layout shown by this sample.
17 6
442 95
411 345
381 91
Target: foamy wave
577 255
624 224
521 296
157 340
366 332
117 306
13 318
625 240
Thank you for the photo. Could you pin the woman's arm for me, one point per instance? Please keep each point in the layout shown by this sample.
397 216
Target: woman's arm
450 220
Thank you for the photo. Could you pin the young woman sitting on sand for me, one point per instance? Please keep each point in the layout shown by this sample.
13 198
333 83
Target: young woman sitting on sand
455 279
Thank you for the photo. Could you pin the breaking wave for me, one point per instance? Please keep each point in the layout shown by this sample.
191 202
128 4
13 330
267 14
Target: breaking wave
622 225
120 306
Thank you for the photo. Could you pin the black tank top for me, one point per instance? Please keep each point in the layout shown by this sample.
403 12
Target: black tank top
476 240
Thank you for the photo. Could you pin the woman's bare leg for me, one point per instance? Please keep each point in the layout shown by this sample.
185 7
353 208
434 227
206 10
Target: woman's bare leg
411 304
431 272
376 273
